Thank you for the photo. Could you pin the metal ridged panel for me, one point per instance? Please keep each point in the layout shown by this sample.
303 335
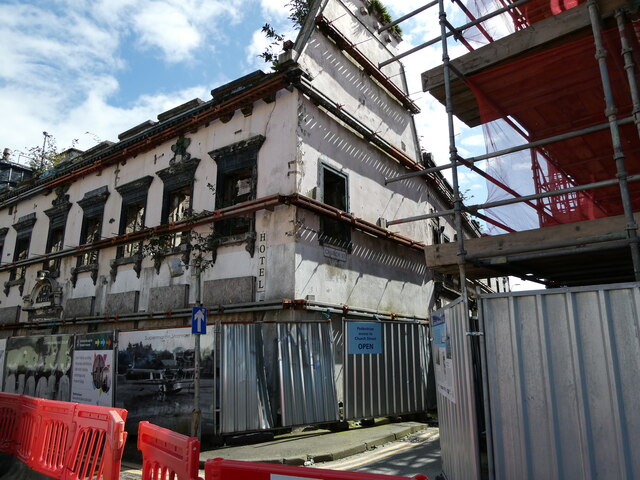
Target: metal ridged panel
458 418
563 370
245 405
392 382
306 370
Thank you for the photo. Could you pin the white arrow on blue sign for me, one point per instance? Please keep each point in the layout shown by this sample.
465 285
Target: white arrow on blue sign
199 320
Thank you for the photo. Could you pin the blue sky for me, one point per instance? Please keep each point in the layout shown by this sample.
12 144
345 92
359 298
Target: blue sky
88 70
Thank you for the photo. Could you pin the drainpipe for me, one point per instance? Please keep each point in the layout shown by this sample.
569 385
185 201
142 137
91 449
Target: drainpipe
618 154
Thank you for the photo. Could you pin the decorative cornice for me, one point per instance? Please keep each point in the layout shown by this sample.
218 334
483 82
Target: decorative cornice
250 145
179 174
136 190
25 223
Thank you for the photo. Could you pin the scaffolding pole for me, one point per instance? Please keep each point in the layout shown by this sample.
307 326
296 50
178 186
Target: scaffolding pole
471 209
407 16
506 151
618 154
446 34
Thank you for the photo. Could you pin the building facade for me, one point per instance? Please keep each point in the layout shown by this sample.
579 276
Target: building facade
261 204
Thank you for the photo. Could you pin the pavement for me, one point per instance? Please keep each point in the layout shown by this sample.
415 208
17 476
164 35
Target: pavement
300 447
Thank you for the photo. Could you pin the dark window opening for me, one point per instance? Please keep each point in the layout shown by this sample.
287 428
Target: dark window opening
132 213
334 193
178 196
93 206
91 232
23 228
235 186
178 209
54 244
236 183
21 252
132 221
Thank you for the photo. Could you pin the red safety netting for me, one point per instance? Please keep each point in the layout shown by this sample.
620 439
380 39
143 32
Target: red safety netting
547 94
511 20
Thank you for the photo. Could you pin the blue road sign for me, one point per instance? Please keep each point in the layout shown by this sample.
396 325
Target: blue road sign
199 320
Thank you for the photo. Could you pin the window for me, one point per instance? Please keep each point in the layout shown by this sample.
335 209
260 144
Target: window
177 197
3 235
132 214
93 206
57 222
23 228
236 183
334 192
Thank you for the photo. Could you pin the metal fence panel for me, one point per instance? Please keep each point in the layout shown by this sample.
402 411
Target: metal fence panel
306 371
563 371
455 392
392 382
245 401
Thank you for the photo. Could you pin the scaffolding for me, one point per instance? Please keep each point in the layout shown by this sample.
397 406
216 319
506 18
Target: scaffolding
583 155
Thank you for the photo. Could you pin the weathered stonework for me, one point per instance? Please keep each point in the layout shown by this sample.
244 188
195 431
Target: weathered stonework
229 290
119 303
79 307
172 297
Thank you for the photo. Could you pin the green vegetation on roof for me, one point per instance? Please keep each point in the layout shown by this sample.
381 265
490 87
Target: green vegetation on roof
377 8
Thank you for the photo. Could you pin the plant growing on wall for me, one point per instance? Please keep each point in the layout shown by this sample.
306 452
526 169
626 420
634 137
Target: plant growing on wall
298 12
377 8
46 157
197 248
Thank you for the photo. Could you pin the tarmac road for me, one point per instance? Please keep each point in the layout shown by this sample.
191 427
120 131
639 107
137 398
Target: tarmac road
416 454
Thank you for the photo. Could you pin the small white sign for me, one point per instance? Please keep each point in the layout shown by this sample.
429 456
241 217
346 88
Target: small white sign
335 254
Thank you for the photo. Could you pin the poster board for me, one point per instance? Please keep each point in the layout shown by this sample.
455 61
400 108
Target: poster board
93 369
442 357
155 377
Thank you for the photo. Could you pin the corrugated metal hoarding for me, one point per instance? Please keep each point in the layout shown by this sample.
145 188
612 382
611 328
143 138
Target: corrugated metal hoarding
244 400
455 392
563 369
385 375
306 371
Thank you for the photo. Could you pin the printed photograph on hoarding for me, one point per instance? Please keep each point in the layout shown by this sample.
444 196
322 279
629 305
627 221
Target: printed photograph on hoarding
155 379
39 366
93 369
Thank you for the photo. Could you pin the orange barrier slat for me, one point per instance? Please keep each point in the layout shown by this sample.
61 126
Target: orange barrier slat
167 455
220 469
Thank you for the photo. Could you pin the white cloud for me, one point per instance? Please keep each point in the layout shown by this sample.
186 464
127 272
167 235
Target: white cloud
166 27
62 60
275 10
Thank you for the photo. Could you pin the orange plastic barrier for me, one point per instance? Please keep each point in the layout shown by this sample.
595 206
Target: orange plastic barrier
63 440
50 439
220 469
98 443
9 411
28 428
167 455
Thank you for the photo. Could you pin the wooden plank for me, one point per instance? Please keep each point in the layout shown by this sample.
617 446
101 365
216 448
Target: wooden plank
548 33
443 257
